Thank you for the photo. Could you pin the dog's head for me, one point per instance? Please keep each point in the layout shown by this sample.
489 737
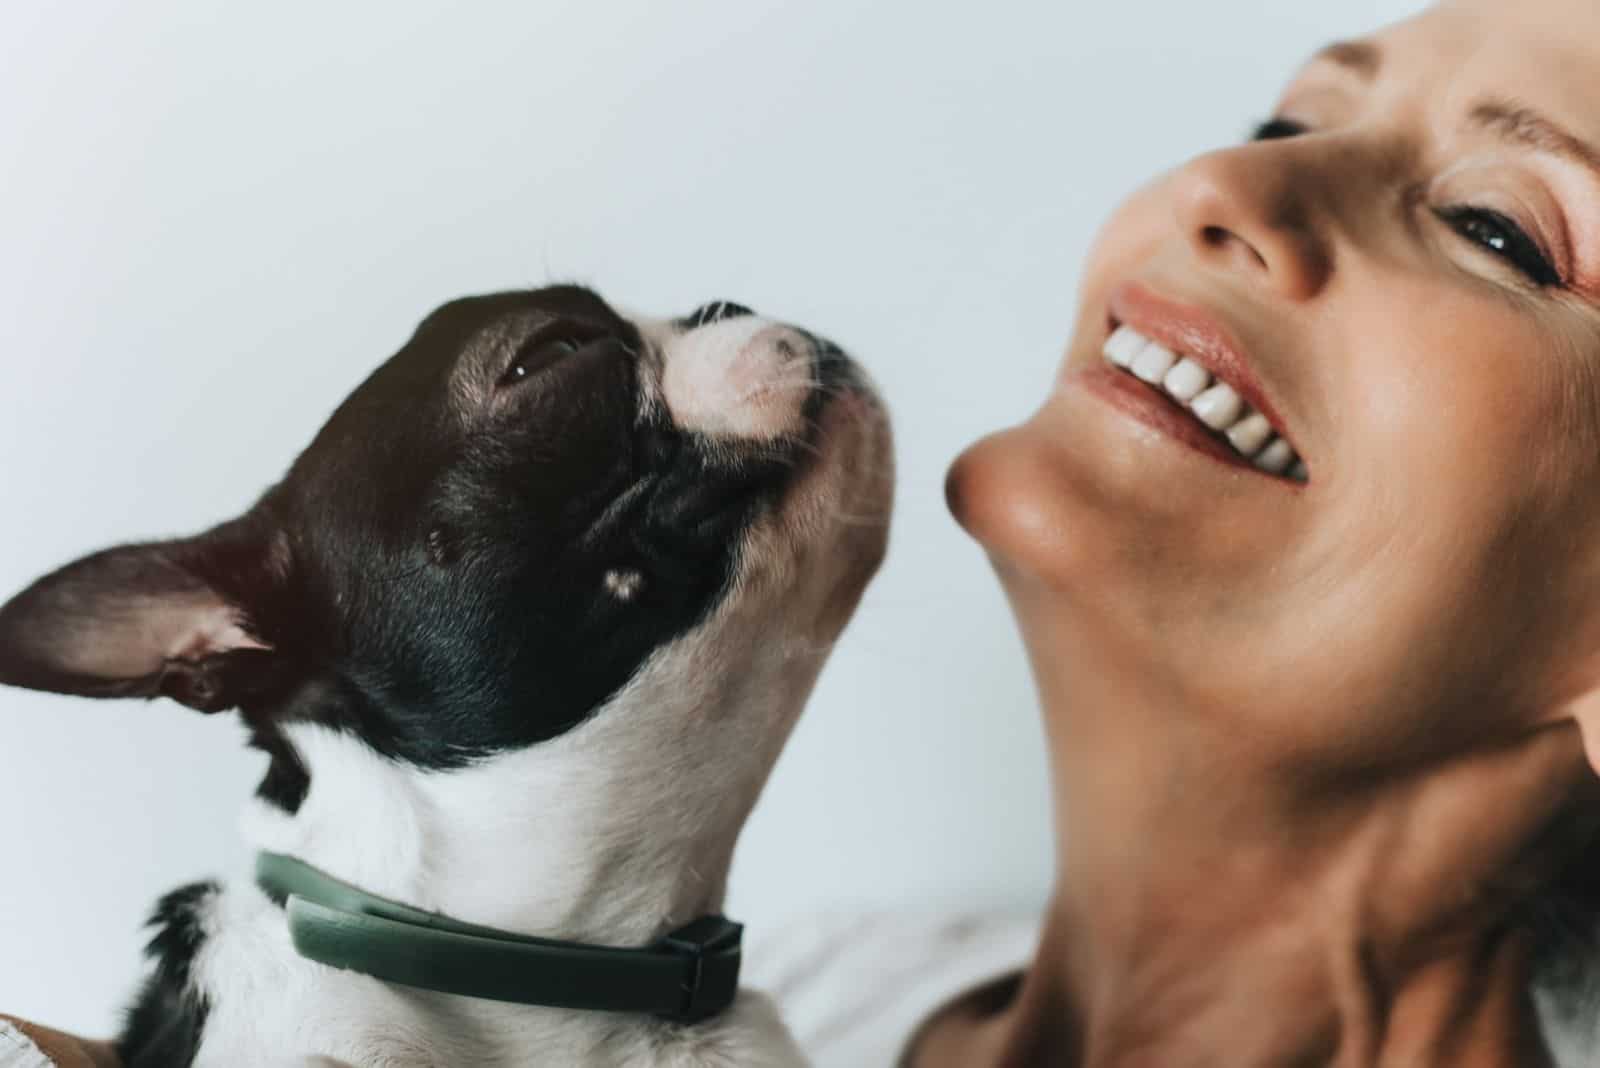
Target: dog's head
537 505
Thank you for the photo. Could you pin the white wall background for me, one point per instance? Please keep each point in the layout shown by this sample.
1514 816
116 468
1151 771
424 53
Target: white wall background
215 219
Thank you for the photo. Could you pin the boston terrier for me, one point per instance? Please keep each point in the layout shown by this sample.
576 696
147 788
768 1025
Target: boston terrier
522 633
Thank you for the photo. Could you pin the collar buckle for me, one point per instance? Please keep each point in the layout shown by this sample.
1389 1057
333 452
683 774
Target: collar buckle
714 946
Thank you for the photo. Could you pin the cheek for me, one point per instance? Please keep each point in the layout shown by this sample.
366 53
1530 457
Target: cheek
1453 406
1459 462
1128 240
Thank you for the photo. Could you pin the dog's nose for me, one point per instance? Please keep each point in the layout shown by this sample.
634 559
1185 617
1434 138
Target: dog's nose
714 312
746 377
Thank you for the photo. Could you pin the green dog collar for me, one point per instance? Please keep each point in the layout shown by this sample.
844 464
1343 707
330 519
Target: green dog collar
688 976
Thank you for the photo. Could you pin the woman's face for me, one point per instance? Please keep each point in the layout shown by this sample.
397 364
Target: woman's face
1408 263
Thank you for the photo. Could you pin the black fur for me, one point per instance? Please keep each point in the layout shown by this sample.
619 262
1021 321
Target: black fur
714 312
164 1026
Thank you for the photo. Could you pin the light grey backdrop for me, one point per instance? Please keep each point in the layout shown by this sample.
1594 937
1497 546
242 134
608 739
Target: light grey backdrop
217 218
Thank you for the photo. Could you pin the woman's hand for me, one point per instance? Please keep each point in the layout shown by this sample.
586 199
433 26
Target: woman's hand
63 1051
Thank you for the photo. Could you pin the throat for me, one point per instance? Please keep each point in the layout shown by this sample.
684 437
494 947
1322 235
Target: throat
539 842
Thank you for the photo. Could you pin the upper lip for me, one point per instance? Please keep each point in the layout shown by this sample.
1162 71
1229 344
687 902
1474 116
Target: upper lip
1192 331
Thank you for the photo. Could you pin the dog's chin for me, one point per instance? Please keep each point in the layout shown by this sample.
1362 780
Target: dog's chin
847 468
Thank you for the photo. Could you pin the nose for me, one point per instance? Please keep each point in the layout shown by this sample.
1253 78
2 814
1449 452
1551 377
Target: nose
714 312
1250 210
746 379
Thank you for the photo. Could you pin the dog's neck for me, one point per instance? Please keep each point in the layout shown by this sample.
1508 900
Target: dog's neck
614 833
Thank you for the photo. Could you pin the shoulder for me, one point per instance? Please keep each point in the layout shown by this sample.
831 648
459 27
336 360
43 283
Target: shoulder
853 988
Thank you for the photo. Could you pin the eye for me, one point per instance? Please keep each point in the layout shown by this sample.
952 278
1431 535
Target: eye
1485 228
1277 128
536 356
623 585
1505 239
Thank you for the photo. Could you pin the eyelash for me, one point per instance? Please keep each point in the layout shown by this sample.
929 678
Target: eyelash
1506 239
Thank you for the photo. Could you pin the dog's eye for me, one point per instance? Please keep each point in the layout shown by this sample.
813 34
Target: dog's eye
536 356
623 584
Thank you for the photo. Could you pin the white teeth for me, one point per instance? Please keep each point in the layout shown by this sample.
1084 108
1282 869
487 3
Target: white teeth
1250 433
1275 457
1153 362
1123 346
1187 380
1218 407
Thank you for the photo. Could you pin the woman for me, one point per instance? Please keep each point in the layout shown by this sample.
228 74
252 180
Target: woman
1325 752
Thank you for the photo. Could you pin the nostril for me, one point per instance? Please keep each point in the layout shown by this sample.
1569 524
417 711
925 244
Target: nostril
714 312
1221 239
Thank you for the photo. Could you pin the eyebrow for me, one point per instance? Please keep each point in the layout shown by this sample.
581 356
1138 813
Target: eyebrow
1520 125
1510 121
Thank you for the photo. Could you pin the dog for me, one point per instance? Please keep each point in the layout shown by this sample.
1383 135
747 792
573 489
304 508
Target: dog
522 633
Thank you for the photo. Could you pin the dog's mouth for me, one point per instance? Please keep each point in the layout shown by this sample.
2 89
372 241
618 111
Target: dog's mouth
711 488
835 375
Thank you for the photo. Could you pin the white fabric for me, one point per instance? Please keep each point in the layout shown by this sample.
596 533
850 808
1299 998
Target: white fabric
18 1051
1566 993
855 990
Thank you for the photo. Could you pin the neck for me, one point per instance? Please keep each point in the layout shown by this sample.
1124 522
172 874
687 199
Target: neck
1266 994
1207 913
616 832
560 840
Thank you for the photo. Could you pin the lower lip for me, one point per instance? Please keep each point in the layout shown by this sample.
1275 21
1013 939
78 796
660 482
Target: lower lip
1156 410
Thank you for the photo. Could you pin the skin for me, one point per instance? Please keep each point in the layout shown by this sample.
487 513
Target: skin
1314 746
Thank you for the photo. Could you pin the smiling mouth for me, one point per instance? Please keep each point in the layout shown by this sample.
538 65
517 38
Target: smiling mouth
1212 404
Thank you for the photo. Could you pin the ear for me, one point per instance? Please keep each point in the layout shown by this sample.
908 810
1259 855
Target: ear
172 619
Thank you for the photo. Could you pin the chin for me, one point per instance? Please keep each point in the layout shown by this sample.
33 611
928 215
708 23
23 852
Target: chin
1014 496
967 485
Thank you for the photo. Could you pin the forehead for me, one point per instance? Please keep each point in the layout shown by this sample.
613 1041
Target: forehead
1540 52
457 323
389 441
465 341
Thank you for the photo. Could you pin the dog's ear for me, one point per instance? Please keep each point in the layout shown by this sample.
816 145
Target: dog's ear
175 619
